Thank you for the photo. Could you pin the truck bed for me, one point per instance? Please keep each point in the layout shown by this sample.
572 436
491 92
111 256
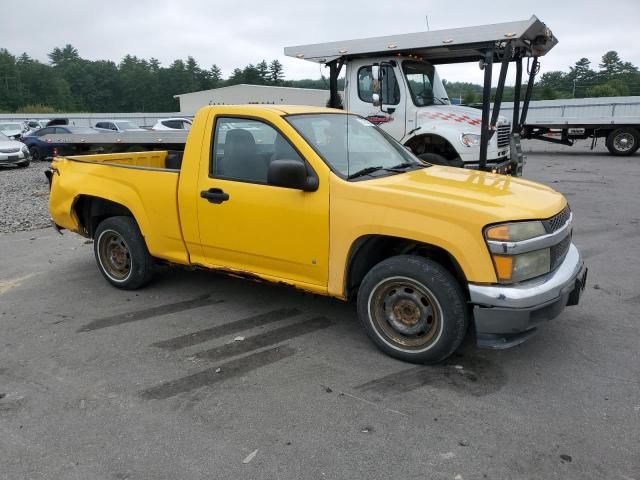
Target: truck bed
581 112
157 160
145 182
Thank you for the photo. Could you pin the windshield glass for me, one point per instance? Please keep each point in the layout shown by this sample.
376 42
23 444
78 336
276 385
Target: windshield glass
4 138
10 126
349 144
424 84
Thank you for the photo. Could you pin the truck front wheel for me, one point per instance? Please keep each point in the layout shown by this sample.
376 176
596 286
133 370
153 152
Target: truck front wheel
121 253
623 141
413 309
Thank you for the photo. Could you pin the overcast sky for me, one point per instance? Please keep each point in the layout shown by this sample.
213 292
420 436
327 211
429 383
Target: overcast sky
235 33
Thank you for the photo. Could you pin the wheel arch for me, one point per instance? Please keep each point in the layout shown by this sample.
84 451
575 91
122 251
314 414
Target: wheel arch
91 210
432 143
369 250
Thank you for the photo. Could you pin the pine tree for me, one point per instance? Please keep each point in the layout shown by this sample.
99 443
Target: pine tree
276 73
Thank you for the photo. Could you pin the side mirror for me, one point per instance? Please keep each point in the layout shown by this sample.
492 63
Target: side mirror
291 174
375 74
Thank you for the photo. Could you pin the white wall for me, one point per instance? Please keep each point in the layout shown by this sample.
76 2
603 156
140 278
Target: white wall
252 94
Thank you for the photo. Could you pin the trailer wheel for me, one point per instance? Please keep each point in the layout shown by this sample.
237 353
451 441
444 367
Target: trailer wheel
121 253
413 309
623 141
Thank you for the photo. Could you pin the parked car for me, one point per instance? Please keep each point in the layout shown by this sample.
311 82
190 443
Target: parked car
118 126
13 152
172 124
13 130
31 126
333 205
43 149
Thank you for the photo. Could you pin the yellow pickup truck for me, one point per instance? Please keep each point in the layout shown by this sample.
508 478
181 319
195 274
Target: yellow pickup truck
327 202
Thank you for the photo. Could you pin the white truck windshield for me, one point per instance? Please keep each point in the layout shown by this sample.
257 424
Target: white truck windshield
424 84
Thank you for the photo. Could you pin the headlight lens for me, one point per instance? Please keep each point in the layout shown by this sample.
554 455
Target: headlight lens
470 139
516 268
515 232
25 150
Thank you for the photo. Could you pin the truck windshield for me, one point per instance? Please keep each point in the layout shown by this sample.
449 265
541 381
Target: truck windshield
424 84
352 146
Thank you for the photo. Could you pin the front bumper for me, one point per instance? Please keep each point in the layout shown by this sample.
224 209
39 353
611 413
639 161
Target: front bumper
17 158
507 315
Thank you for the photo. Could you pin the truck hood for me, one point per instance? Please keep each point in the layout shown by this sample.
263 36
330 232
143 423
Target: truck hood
456 114
483 197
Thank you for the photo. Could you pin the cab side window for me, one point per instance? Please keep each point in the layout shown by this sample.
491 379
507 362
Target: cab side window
243 149
391 91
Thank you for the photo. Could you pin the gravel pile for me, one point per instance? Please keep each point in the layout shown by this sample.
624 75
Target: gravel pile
24 197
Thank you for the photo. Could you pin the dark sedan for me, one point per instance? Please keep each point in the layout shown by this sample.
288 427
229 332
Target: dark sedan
43 149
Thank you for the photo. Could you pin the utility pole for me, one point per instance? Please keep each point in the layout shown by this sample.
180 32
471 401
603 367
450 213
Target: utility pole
574 88
427 17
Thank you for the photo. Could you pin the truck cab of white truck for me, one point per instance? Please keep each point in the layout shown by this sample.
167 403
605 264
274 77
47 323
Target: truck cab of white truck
393 82
412 105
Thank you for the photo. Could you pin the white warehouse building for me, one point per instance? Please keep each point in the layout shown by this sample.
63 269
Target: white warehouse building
252 94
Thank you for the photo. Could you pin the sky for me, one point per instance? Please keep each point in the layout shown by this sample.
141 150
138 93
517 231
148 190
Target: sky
235 33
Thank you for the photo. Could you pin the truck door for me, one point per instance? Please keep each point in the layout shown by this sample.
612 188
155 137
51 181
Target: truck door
391 117
248 225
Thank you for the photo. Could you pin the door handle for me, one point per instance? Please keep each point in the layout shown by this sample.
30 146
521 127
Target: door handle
214 195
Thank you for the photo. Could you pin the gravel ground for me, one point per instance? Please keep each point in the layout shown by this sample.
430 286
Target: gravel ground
24 194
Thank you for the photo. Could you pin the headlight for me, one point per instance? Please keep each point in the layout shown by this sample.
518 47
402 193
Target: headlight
523 266
516 268
515 232
25 151
470 139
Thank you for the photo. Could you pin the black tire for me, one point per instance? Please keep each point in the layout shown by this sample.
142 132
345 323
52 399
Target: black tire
623 141
428 297
121 253
35 154
435 159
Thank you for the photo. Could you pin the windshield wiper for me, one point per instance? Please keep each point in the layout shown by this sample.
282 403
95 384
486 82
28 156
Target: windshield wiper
365 171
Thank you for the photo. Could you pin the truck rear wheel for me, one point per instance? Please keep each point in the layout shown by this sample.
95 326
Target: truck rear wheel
413 309
121 253
623 141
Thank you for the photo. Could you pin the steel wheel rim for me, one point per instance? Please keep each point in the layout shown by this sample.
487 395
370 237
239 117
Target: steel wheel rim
624 142
405 314
114 255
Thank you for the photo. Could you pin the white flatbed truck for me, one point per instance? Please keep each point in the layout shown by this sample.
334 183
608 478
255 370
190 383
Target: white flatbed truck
392 81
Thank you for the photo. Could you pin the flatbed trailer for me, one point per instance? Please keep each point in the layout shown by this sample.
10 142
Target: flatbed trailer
616 119
100 143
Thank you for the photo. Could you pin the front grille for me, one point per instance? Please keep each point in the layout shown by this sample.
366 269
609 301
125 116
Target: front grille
559 251
504 131
557 221
10 150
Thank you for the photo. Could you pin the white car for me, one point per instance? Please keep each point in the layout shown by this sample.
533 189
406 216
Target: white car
118 126
172 124
13 130
13 152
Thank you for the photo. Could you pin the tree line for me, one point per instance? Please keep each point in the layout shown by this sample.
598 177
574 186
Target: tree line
70 83
613 78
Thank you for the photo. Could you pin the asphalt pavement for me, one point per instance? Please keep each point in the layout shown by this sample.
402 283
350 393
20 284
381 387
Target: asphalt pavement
202 376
